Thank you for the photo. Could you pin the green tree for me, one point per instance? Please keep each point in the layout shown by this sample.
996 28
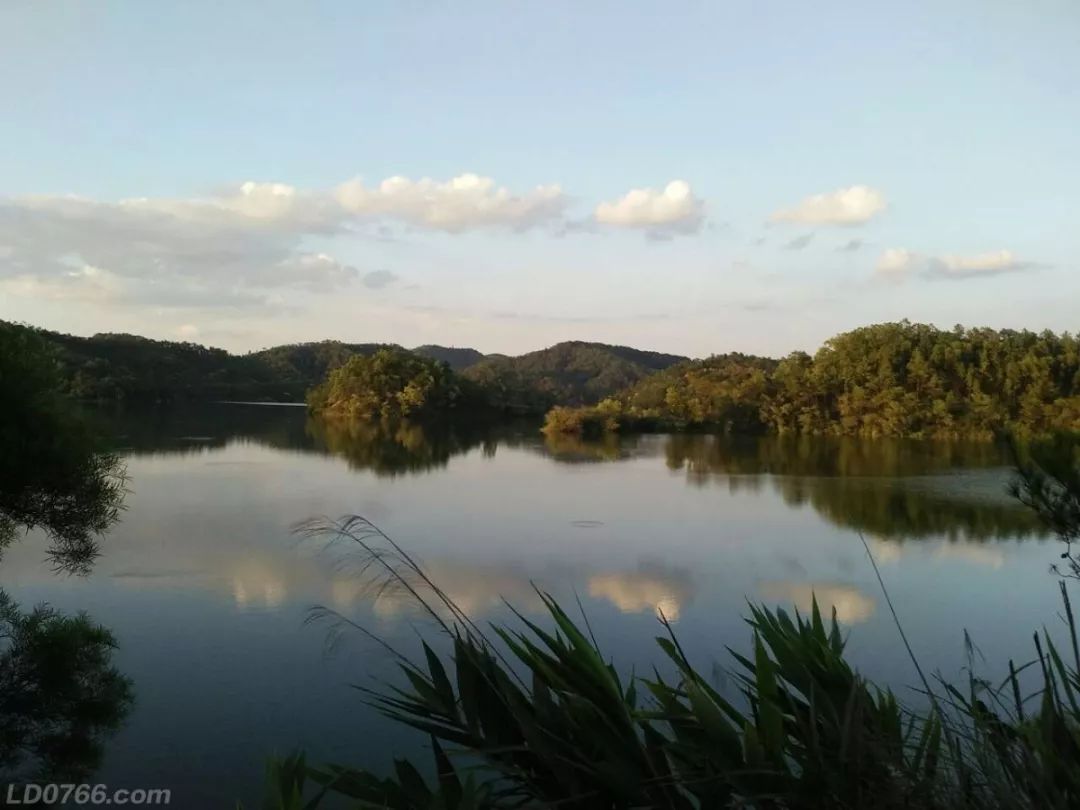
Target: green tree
53 472
389 384
60 696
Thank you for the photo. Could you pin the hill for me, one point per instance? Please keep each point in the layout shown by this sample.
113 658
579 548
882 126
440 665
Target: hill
307 364
457 359
723 392
886 380
129 367
573 373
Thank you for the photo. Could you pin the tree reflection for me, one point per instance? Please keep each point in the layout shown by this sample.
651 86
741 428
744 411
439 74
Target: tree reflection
390 448
573 449
53 473
868 486
59 694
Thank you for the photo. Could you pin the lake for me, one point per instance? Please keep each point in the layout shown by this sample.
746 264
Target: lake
208 590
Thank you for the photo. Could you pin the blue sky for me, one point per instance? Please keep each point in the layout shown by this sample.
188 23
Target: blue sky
936 142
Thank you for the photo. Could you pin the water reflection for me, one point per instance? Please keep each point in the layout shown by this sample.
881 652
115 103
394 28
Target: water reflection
987 556
397 448
653 587
54 478
478 590
60 696
895 489
576 450
852 606
820 456
634 526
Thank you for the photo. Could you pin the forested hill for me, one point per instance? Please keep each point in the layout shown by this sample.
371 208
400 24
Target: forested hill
457 359
573 372
129 367
890 379
306 364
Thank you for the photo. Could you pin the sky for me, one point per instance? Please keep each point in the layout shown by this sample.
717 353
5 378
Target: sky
688 177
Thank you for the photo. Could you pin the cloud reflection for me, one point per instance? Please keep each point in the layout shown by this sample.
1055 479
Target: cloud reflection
982 554
852 605
478 590
652 586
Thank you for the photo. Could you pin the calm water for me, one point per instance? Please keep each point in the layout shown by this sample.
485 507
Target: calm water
207 590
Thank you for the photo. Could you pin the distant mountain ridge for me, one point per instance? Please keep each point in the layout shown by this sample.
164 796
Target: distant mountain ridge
117 366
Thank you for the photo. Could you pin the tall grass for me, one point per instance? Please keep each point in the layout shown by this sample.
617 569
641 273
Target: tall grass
524 715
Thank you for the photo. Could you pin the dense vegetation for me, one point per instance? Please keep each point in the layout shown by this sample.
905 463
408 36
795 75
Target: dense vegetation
302 365
60 695
388 385
457 359
895 379
568 373
129 368
53 473
119 367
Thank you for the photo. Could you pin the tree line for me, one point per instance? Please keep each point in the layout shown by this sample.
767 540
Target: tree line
888 380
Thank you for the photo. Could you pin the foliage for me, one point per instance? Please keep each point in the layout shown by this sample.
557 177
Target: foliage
904 379
119 367
888 380
116 367
722 393
59 694
570 373
507 389
532 717
1048 481
53 474
588 422
390 384
303 365
458 359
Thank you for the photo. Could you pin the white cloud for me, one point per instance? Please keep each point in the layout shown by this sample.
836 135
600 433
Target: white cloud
853 205
897 264
315 271
673 210
249 245
229 250
187 331
465 202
